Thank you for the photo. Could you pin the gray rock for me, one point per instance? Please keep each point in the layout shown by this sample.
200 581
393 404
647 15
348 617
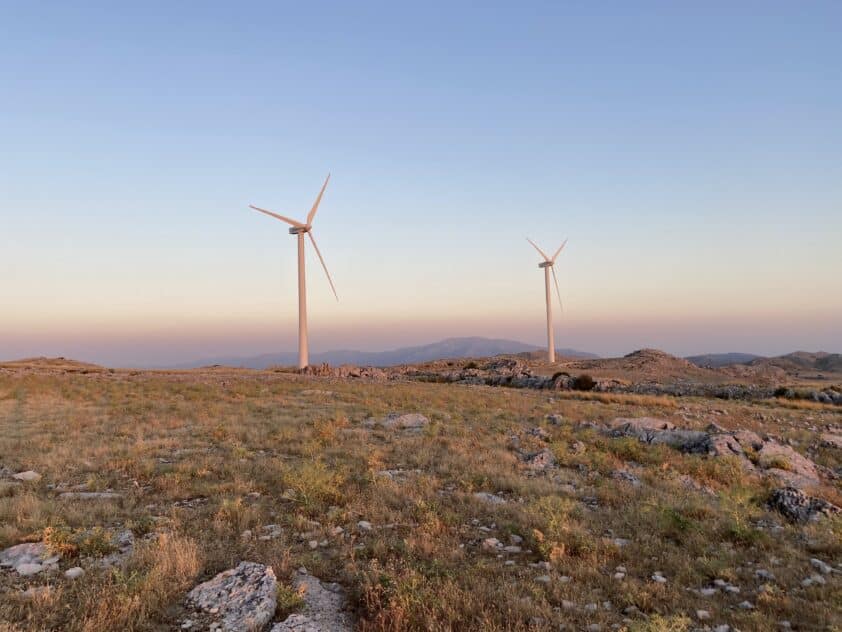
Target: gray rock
28 558
488 497
28 476
800 507
74 573
90 495
411 421
820 566
241 599
626 476
324 607
540 461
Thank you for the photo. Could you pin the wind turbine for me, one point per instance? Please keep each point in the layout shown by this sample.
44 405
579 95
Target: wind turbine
547 264
299 230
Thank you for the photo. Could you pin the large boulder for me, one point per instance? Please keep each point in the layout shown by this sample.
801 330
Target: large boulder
800 507
787 464
324 607
241 599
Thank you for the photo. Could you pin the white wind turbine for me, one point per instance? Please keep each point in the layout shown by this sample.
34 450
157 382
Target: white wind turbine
300 230
547 264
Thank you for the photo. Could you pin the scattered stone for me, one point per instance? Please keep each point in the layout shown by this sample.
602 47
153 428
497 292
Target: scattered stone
540 461
762 573
543 579
411 421
800 507
814 579
364 525
27 476
820 566
538 433
555 419
74 573
746 605
241 599
270 532
626 476
27 559
90 495
491 544
337 531
659 578
25 570
708 592
831 440
702 615
488 497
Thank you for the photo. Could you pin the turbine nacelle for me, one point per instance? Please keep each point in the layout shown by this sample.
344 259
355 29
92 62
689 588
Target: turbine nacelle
298 230
543 264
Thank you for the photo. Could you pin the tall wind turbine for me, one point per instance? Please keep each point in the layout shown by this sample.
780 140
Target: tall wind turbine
548 264
300 229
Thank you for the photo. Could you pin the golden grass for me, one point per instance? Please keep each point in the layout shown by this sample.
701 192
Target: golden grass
250 449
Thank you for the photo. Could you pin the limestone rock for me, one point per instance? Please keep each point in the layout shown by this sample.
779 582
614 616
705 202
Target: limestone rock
27 559
800 507
241 599
324 607
28 476
410 421
541 460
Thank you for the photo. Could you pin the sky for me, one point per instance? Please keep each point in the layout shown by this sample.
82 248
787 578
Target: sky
691 153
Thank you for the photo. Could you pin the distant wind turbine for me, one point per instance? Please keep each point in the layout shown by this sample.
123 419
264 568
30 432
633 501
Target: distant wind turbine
547 264
300 229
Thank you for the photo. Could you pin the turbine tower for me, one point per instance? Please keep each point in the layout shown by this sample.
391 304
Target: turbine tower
548 264
299 230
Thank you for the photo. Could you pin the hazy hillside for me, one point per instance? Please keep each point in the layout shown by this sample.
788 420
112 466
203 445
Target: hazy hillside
473 347
804 360
722 359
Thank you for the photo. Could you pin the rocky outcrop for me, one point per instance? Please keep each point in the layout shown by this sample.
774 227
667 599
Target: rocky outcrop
800 507
345 371
241 599
770 457
324 607
29 558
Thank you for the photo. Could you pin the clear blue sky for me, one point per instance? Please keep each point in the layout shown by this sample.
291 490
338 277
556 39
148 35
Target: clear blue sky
692 154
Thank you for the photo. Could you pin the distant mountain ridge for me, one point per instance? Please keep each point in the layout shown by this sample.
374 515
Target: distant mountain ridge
471 347
804 360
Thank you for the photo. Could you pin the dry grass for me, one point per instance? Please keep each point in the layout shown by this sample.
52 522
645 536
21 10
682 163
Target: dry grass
259 448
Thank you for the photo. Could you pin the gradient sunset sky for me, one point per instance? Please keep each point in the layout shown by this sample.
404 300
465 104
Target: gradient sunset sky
691 152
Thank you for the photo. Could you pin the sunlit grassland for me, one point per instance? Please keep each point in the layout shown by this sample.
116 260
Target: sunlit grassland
261 448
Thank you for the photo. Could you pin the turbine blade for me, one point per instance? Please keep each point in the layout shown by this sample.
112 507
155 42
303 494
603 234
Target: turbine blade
543 254
289 221
560 248
329 280
313 210
557 291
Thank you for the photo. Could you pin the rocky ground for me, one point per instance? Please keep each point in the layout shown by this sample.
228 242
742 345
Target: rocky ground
429 497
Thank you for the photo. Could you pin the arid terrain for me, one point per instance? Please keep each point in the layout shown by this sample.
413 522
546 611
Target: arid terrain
637 493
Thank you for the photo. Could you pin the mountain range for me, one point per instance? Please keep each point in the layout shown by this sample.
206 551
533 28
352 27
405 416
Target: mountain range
472 347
